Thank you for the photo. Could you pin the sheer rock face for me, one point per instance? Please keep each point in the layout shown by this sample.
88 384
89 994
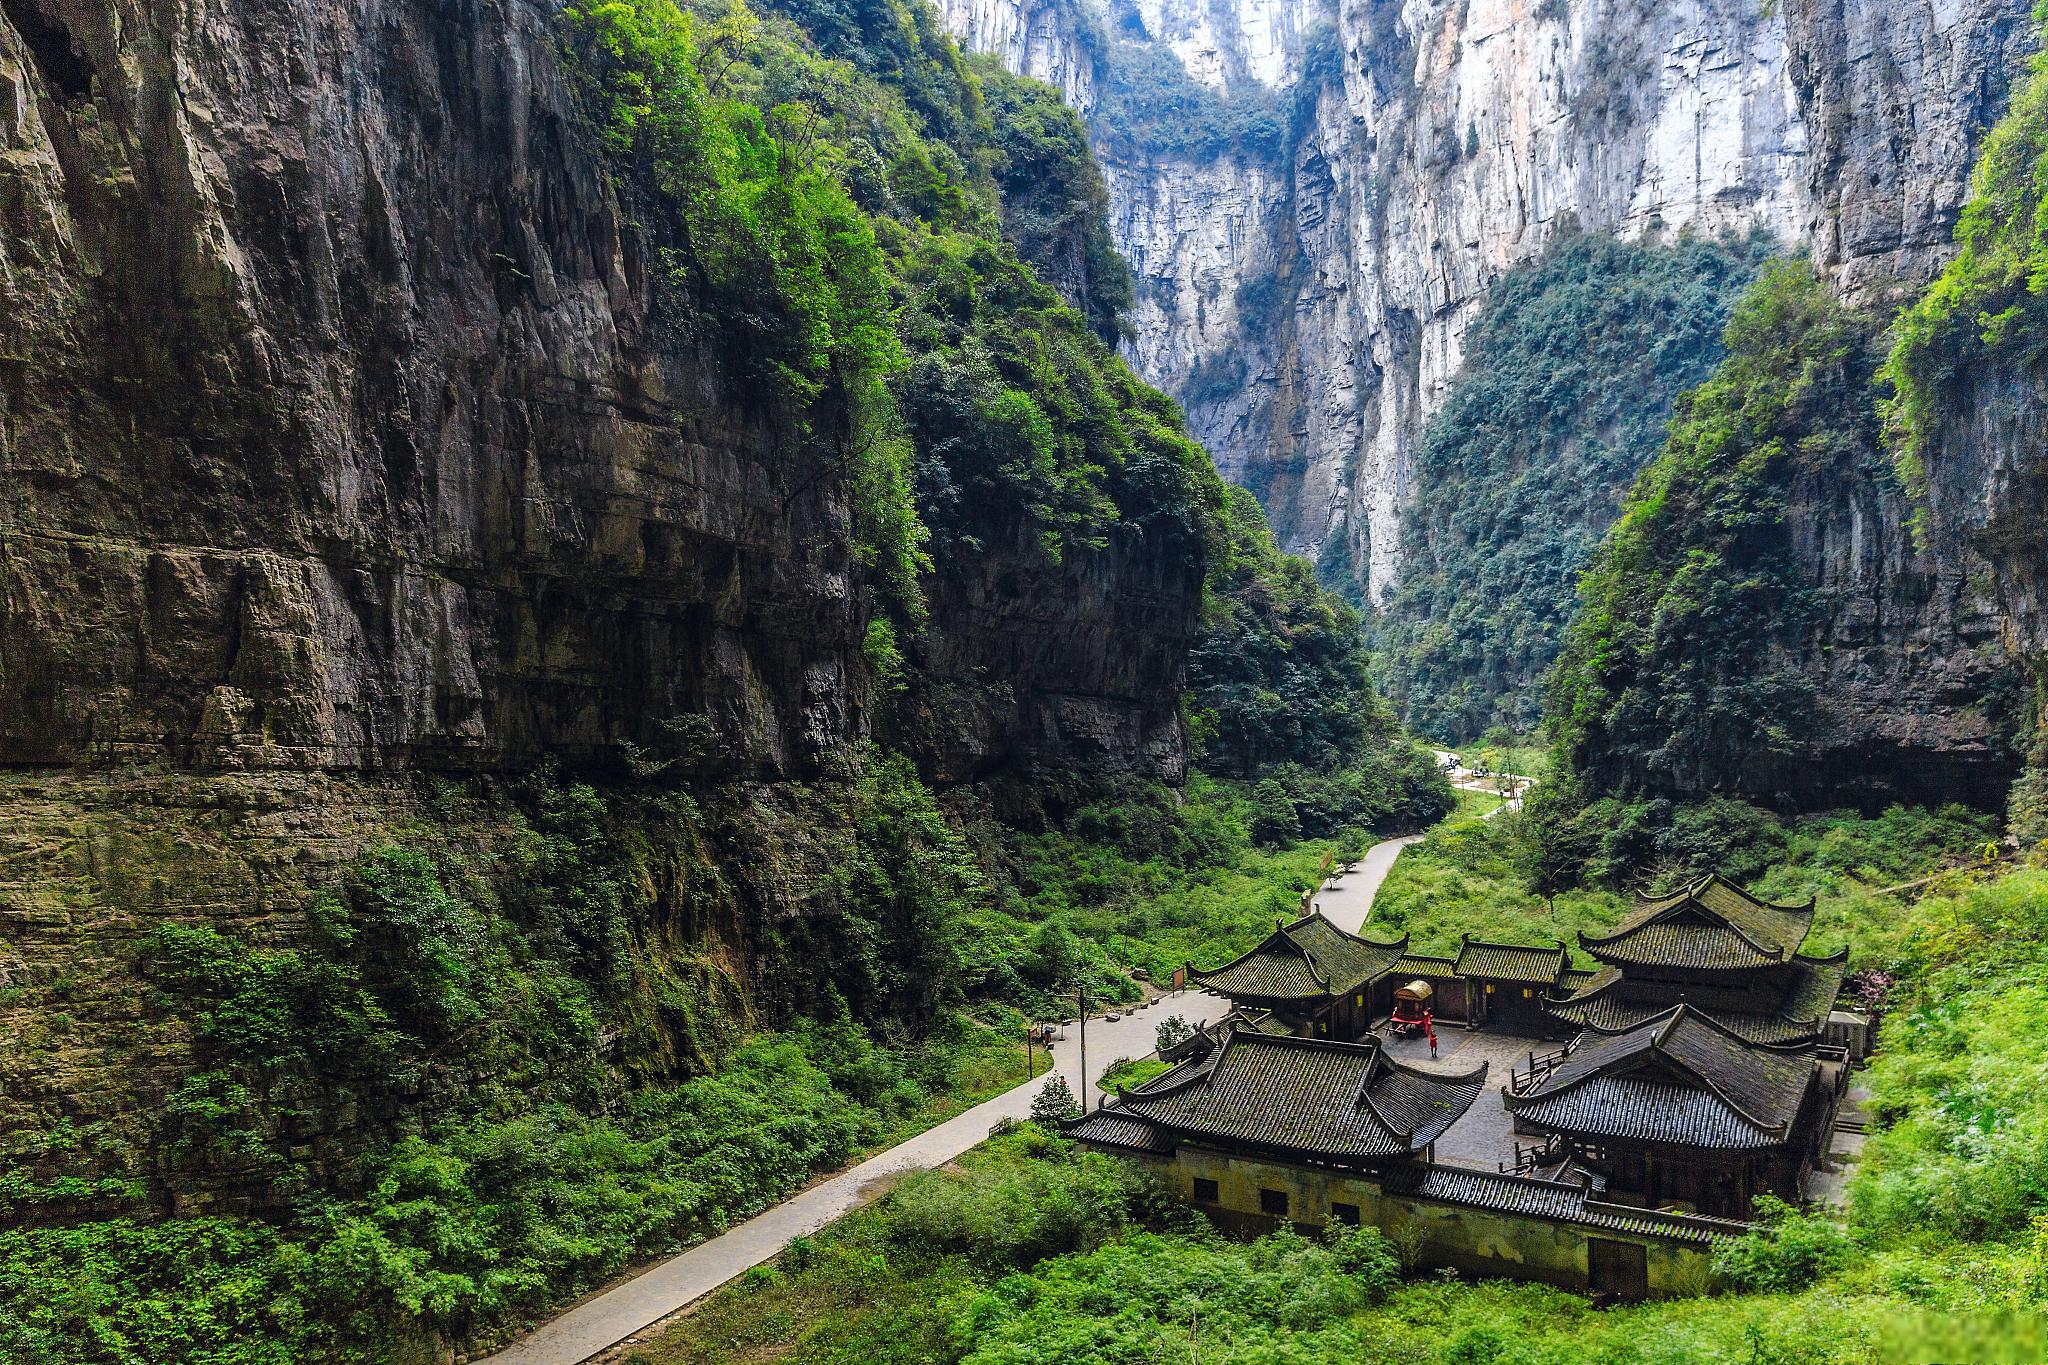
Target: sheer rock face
1455 141
1458 141
347 421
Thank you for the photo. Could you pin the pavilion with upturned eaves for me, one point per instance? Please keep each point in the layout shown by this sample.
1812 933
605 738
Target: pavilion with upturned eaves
1720 950
1309 975
1700 1070
1682 1110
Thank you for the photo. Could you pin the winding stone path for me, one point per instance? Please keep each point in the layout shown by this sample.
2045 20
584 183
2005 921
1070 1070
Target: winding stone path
606 1319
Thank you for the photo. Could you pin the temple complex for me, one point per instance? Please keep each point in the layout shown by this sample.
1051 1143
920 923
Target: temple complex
1682 1110
1621 1116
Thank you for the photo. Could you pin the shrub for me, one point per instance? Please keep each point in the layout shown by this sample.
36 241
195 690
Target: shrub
1066 1203
1787 1251
1054 1103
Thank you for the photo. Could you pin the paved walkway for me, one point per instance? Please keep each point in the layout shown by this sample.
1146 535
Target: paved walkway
1346 899
611 1317
1483 1137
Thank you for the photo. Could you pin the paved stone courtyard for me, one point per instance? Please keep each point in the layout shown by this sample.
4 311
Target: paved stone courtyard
1483 1138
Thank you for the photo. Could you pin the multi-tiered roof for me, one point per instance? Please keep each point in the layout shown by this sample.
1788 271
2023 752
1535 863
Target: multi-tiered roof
1680 1079
1711 925
1301 1098
1715 947
1302 966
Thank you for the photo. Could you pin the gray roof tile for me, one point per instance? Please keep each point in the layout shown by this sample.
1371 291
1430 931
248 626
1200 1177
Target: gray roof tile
1600 1002
1711 925
1327 1100
1679 1078
1308 960
1511 962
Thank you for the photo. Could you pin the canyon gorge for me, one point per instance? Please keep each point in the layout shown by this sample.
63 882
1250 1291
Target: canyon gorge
1306 292
1321 197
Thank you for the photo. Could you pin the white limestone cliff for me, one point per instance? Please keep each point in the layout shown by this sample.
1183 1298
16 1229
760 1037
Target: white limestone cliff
1459 139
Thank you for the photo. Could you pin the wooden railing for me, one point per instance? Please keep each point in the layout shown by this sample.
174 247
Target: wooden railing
1541 1064
1531 1159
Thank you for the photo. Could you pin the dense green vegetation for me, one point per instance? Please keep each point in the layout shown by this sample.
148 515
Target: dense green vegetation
1569 378
1989 306
1667 682
1139 885
1055 205
1485 878
838 228
1280 675
1943 1239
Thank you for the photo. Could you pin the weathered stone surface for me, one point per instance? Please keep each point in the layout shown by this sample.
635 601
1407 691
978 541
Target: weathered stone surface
1460 140
347 421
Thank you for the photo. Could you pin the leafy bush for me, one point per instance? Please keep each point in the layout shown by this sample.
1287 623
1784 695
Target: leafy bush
1054 1104
1140 1299
1787 1251
1067 1201
1173 1030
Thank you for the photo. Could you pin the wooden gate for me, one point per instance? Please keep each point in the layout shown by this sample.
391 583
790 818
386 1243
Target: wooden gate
1617 1270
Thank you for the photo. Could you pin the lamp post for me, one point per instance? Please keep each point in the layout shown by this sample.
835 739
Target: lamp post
1083 993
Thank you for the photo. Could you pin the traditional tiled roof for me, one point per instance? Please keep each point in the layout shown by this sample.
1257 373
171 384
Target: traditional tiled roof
1517 962
1308 960
1711 925
1680 1078
1325 1100
1108 1128
1209 1035
1802 1014
1535 1198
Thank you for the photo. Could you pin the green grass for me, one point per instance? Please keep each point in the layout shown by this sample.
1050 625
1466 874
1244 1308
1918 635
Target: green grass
1464 878
1474 805
1468 876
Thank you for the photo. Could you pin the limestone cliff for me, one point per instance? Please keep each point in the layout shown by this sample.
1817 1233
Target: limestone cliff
1444 143
350 422
361 456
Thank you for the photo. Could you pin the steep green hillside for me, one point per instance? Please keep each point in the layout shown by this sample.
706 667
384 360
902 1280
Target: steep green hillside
1569 379
1668 680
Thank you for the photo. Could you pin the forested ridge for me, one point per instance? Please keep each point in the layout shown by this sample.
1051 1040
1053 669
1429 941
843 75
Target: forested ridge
1568 382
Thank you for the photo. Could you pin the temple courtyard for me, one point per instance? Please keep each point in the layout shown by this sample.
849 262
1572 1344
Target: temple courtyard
1483 1137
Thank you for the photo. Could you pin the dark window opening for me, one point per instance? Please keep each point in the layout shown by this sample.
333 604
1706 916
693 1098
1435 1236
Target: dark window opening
1205 1191
62 66
1344 1213
1273 1202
